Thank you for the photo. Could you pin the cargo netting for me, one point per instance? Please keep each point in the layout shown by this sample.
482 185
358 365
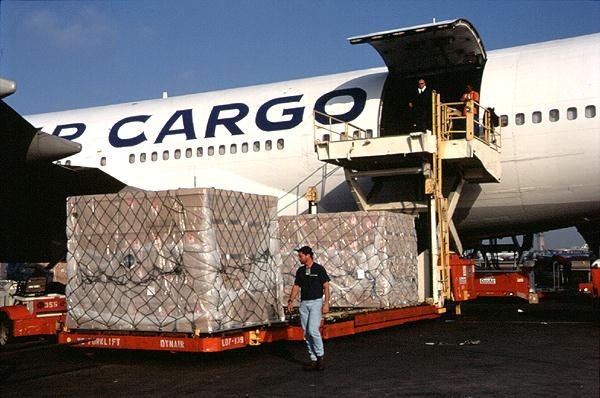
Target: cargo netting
371 257
190 260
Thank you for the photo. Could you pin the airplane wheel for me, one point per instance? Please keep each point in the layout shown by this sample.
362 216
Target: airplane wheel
5 332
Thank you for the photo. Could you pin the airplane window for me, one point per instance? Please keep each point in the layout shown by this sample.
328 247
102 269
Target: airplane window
504 120
211 150
233 148
590 112
165 155
188 153
131 158
221 149
268 145
554 115
519 118
280 143
199 152
245 147
103 161
571 113
536 117
142 157
177 154
154 156
256 146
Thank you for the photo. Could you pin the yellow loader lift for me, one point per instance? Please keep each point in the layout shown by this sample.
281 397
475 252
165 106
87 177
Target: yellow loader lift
451 155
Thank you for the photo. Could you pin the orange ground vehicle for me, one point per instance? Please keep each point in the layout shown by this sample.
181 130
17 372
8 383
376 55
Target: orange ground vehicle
469 283
593 286
27 309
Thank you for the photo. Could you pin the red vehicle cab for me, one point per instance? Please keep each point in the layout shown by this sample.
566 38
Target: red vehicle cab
592 287
27 309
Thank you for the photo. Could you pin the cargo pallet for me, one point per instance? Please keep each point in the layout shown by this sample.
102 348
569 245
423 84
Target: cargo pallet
467 285
179 342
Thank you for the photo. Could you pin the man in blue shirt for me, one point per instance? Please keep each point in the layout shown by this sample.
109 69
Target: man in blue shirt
313 283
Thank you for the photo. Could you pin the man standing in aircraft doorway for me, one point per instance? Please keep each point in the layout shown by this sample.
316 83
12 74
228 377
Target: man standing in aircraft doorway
420 106
313 282
472 95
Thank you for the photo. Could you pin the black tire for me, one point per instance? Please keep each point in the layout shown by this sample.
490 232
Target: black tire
5 331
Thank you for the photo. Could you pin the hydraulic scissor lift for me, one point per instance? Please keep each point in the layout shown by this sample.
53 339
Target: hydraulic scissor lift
443 159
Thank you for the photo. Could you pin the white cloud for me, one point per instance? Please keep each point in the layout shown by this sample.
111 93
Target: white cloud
80 27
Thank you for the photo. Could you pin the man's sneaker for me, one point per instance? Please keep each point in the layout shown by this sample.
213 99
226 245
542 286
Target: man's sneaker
312 365
320 363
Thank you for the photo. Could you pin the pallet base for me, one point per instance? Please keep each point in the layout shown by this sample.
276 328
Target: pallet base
231 340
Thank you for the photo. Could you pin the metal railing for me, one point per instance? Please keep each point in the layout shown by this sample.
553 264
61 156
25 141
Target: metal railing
459 120
298 192
337 130
452 123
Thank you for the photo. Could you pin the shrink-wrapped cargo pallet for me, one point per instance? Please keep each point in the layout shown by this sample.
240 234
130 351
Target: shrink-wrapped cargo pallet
190 260
371 257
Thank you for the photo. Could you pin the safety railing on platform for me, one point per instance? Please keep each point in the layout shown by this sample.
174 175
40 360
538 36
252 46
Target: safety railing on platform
454 123
295 195
336 129
459 120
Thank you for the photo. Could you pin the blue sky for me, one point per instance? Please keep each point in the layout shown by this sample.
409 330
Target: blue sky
73 54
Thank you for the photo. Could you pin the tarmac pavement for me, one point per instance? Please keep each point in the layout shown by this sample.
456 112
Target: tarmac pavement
497 348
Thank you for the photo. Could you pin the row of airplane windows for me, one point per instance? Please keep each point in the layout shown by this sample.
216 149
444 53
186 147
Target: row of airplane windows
553 116
199 151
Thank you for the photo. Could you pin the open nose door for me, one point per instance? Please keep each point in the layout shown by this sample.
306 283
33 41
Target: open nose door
432 49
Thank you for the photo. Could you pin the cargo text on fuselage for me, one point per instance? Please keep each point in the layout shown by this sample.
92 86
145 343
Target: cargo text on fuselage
226 115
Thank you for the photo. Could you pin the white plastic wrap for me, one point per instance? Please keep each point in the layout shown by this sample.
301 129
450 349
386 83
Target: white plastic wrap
371 257
190 260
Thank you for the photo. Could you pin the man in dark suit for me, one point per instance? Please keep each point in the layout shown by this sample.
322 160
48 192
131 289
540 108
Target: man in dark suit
420 105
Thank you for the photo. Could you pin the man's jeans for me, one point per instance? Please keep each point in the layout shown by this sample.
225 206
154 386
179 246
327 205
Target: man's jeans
310 318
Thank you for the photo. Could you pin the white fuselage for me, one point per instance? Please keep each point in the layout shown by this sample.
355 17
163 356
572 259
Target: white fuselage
260 139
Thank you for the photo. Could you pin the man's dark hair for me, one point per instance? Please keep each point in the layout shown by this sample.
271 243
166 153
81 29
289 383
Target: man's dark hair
305 250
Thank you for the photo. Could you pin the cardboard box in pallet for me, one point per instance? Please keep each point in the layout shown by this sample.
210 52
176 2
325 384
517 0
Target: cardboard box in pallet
182 261
371 257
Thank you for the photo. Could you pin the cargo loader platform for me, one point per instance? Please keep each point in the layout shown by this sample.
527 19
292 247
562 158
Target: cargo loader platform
418 172
394 155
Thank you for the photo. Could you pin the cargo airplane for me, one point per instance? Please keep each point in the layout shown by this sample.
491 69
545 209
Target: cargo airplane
260 139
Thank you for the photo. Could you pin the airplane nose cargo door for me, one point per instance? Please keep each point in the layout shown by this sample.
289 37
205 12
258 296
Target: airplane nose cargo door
447 54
